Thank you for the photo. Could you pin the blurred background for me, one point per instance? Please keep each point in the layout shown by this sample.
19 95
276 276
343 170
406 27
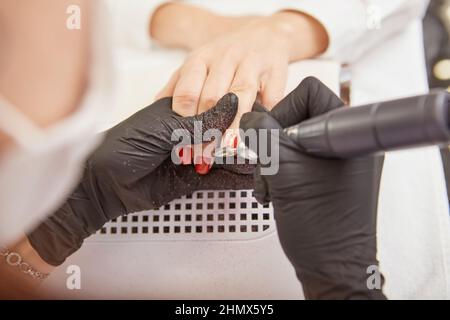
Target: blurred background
437 44
437 51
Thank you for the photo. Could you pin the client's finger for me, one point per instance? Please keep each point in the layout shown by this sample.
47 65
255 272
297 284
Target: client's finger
188 88
216 85
273 86
168 89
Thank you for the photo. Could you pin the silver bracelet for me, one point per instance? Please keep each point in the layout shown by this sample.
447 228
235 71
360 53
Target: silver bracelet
15 260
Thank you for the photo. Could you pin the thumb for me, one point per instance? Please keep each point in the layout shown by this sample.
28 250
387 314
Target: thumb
258 120
262 127
262 134
257 131
311 98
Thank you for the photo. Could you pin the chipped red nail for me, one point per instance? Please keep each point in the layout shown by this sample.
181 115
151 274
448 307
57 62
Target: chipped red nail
204 166
235 142
185 155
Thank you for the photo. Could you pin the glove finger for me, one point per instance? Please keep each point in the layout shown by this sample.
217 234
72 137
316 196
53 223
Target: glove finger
257 127
378 169
257 107
261 192
244 167
263 135
217 118
311 98
259 120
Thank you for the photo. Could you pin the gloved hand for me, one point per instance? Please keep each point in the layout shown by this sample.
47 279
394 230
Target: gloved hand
132 171
325 209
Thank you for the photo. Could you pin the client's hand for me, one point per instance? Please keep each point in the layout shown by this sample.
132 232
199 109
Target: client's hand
247 58
325 209
132 171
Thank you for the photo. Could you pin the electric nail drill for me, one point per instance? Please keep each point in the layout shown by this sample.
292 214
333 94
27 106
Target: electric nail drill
375 128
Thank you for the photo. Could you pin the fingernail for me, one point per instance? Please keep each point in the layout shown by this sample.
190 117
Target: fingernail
230 139
185 155
235 142
203 167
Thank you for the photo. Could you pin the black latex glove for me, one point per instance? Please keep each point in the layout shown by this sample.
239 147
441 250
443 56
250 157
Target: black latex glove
132 171
325 209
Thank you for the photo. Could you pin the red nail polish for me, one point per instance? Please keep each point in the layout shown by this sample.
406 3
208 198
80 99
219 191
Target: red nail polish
235 142
185 155
203 167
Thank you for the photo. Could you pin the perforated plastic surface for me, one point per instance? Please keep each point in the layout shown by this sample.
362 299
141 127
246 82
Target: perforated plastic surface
204 215
213 245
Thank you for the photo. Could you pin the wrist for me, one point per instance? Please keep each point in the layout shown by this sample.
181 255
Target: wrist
21 270
24 252
304 36
179 25
332 282
184 26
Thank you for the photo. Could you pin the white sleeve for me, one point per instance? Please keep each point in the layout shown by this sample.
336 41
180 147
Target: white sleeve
355 26
131 21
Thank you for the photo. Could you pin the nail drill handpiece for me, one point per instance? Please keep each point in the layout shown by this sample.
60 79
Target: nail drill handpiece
375 128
